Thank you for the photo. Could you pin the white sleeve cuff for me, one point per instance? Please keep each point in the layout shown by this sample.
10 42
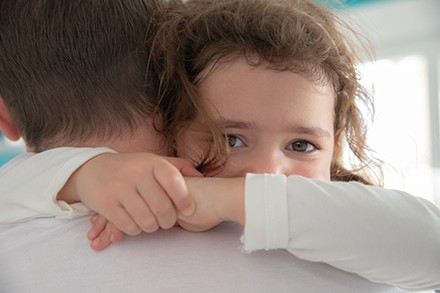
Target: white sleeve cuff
78 157
266 220
29 183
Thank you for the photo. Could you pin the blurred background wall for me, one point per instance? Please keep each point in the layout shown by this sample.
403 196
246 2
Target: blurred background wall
405 79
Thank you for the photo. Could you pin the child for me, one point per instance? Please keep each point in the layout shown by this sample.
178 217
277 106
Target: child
313 229
283 89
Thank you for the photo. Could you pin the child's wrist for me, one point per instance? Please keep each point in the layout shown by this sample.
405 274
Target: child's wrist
67 192
231 208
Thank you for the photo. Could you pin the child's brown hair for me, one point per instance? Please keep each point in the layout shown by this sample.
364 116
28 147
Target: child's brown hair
284 35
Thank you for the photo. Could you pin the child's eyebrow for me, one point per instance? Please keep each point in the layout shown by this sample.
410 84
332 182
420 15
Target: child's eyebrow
315 131
236 124
312 130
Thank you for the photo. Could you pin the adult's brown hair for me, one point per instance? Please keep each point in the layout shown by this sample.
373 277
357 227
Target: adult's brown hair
74 70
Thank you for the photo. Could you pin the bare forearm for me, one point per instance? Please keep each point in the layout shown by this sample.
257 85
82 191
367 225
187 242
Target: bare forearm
220 199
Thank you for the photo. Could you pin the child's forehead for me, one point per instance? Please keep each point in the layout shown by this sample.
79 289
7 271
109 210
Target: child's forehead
243 91
228 66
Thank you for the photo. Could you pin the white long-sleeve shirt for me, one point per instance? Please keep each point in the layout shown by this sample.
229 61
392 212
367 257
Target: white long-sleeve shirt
29 183
383 235
386 236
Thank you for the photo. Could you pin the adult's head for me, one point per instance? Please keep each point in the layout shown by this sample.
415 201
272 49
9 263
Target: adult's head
74 72
281 35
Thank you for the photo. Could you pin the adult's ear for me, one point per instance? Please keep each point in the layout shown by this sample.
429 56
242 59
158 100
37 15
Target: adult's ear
7 126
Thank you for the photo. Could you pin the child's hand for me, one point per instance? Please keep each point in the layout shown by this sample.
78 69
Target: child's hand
136 192
216 200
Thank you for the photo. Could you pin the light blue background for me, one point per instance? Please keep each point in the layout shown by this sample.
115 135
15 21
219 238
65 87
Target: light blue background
8 150
349 2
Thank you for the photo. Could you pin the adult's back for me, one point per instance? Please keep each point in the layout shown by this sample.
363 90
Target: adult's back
52 255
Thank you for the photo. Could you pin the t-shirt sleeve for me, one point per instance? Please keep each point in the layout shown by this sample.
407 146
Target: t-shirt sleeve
29 183
386 236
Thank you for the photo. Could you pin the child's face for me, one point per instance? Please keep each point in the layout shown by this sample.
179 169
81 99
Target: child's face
275 122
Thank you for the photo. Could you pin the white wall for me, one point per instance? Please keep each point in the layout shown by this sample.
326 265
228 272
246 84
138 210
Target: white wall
400 25
402 29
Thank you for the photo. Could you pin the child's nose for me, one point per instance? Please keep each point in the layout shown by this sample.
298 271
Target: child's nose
273 163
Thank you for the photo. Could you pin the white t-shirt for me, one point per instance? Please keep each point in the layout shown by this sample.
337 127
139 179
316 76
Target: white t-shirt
383 235
50 255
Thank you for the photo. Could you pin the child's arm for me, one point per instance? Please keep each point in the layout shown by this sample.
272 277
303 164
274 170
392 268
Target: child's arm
29 183
216 199
386 236
136 192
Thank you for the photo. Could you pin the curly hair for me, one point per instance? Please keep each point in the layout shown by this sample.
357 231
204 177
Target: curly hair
286 35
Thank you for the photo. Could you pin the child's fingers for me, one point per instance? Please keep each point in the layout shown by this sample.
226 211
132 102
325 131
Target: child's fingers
122 220
93 218
98 225
116 234
174 185
103 233
103 239
185 167
140 211
160 205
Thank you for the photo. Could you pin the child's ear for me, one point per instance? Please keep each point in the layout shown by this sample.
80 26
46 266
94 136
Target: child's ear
7 126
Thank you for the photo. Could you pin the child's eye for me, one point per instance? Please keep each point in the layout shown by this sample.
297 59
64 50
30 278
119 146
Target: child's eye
302 146
234 141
